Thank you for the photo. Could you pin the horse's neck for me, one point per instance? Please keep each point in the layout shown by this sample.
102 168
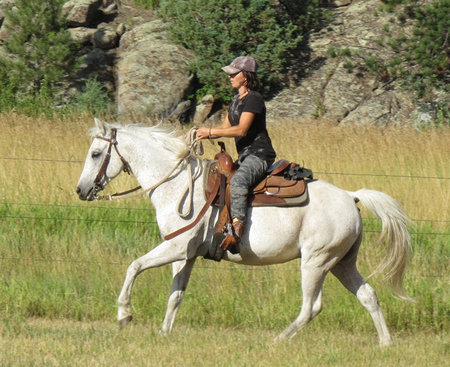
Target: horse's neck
151 166
181 197
168 190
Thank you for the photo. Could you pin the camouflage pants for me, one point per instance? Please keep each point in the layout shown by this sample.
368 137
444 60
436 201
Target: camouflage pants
250 172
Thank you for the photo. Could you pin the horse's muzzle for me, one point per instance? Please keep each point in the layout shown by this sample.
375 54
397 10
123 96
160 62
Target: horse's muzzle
89 195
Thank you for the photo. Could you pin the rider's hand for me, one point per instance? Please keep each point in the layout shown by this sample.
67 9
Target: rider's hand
203 133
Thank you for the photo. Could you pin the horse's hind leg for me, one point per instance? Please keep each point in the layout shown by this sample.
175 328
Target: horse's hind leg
181 274
312 282
349 276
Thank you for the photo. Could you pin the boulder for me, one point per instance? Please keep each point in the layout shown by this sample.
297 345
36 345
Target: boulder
105 38
110 7
82 35
203 109
152 73
380 109
81 13
121 29
339 3
180 113
344 91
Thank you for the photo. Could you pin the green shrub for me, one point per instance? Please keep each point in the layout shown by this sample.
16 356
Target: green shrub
429 46
425 53
94 98
42 47
421 62
217 31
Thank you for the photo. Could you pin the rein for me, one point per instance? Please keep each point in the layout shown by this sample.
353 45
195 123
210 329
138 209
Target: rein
195 150
129 193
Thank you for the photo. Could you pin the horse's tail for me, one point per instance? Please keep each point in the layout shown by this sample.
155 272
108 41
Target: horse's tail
394 233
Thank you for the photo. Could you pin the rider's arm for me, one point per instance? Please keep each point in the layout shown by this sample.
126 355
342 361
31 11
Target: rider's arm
226 130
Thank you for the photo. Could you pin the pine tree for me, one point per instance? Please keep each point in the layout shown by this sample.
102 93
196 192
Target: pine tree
40 48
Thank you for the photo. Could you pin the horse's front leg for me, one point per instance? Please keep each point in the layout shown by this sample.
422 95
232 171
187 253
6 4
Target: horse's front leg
167 252
181 274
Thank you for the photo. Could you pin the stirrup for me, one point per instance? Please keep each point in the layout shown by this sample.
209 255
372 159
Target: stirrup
233 247
215 252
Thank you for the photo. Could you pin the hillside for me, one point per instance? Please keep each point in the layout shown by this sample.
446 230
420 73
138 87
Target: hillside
130 51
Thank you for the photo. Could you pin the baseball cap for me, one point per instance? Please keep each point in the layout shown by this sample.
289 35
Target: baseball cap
246 63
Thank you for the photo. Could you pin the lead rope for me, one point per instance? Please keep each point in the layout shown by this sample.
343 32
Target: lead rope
195 150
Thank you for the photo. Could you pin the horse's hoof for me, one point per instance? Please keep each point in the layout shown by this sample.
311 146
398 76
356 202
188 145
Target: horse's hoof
283 338
124 322
163 333
387 343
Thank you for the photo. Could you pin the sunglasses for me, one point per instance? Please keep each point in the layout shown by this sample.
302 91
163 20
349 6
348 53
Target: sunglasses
233 75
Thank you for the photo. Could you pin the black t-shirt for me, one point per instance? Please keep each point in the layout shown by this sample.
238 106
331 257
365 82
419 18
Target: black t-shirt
257 141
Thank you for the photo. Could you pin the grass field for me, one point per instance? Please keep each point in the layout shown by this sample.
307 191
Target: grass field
100 343
63 261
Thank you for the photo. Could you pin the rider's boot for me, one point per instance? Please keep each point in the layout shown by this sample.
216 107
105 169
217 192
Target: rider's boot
231 241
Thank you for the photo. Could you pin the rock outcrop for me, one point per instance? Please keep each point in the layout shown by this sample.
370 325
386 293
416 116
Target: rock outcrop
336 85
130 52
81 12
152 73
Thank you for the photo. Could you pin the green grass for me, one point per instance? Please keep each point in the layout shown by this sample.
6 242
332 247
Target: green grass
69 262
38 342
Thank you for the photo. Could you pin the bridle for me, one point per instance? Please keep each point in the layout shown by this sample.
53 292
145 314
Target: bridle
98 182
195 149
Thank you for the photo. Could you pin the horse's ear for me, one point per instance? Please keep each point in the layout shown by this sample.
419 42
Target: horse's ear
101 126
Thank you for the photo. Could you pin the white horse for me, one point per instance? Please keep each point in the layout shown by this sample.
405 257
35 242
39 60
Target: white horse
325 232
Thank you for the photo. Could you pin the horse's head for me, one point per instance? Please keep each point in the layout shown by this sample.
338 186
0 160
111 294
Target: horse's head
103 162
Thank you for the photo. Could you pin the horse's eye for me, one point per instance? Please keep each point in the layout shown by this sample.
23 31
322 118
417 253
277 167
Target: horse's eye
96 154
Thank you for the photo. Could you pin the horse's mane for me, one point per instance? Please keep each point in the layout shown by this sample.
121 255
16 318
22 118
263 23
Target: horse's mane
169 138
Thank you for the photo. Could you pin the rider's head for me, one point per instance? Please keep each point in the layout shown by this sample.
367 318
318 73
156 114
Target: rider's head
248 66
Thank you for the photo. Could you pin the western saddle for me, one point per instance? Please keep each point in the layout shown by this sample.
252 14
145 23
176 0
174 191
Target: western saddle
278 188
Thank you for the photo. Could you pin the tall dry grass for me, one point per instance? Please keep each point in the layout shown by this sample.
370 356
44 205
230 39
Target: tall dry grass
349 156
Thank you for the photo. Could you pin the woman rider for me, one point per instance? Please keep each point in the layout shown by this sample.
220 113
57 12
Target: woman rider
246 122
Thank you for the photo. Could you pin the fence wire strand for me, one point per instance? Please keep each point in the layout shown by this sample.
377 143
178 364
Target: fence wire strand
50 160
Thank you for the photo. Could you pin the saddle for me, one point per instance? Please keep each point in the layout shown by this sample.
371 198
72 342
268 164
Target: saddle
284 185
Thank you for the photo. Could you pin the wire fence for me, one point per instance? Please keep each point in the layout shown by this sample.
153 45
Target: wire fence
202 265
152 222
89 220
49 160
